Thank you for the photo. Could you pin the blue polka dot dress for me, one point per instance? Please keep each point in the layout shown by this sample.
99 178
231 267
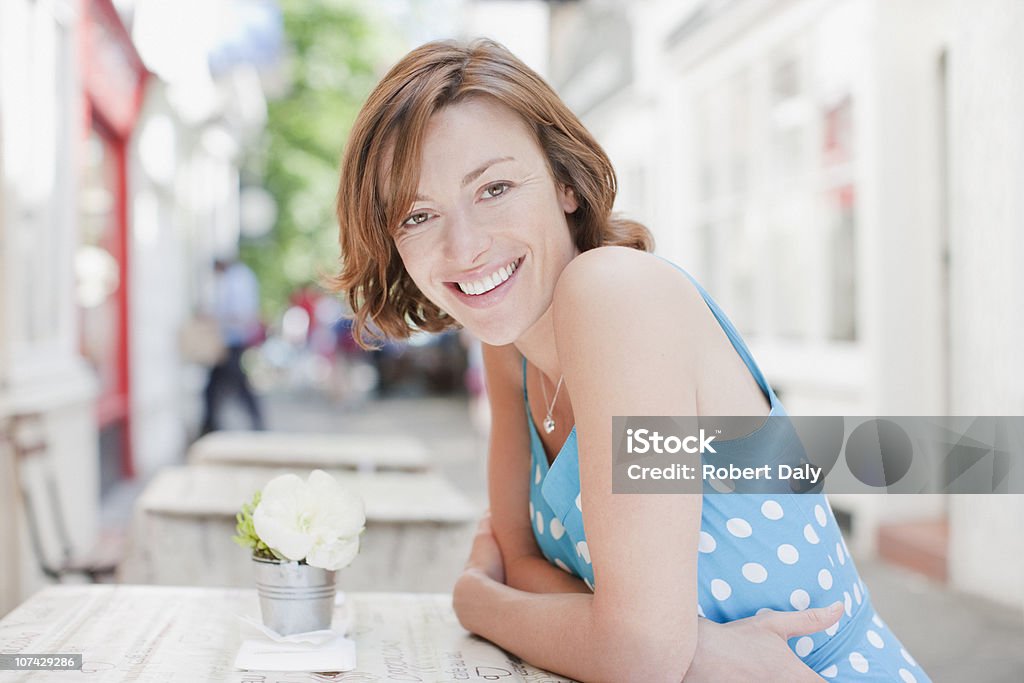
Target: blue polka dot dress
756 551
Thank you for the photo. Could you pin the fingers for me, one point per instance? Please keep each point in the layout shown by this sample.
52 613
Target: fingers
803 623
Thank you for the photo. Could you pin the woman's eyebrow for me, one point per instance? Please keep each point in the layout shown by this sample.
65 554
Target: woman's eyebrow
472 175
479 170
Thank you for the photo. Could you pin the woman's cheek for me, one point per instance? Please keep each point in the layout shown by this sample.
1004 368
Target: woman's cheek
422 282
408 253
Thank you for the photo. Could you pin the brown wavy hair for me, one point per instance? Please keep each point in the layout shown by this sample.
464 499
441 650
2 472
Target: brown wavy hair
380 175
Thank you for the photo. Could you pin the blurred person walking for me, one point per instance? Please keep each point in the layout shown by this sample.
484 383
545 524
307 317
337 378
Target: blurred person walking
237 312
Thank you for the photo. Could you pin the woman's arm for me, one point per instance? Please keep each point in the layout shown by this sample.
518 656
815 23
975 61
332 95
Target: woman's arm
752 649
508 480
618 345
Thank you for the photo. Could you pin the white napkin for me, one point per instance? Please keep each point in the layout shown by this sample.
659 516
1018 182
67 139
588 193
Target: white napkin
326 650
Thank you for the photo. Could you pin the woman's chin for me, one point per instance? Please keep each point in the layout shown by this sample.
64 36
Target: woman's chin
495 335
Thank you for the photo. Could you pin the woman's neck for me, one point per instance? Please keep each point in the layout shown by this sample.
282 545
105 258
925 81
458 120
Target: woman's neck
538 346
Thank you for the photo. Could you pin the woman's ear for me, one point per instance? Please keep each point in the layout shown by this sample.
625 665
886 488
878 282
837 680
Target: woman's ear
567 199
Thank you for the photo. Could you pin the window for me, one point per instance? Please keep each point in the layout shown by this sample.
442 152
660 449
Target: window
776 213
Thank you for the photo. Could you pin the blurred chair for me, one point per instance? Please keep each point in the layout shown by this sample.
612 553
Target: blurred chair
26 435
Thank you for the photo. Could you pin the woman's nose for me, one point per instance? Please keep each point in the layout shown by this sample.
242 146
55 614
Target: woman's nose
464 239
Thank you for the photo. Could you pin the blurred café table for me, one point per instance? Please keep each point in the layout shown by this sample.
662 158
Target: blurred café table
419 529
327 451
185 635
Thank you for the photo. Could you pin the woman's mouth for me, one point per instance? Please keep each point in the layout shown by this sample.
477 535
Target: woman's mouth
487 289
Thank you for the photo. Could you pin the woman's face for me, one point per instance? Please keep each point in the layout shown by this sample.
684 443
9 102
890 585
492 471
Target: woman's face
487 236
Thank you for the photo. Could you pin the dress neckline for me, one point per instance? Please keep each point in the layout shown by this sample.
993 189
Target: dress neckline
534 434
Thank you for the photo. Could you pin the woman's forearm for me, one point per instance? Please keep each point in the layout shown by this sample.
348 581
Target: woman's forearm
534 574
560 632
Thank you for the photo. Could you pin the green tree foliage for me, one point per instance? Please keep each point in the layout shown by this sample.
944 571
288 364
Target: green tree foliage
337 55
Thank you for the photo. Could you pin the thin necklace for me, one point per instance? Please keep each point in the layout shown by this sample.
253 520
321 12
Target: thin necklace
549 422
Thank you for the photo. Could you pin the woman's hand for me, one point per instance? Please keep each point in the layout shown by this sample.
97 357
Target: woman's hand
485 555
755 649
484 565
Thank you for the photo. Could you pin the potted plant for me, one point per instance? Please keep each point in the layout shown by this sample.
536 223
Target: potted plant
300 533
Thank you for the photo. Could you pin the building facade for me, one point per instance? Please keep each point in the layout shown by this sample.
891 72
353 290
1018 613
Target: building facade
119 186
42 368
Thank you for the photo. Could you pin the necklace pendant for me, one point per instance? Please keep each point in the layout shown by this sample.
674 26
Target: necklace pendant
549 425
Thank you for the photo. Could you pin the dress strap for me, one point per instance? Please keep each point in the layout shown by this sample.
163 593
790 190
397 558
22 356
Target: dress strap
526 398
732 334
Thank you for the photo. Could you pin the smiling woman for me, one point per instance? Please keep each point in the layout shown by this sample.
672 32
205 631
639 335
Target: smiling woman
470 195
382 204
469 240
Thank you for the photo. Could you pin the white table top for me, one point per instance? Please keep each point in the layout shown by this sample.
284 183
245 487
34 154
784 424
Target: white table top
354 451
188 635
220 491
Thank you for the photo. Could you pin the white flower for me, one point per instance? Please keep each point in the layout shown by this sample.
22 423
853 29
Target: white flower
333 554
317 520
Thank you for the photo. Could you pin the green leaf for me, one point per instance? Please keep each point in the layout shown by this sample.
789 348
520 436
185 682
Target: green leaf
245 529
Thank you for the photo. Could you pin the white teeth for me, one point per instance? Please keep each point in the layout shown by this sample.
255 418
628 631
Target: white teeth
488 282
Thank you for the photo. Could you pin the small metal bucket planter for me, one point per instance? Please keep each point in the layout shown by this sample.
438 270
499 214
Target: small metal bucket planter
294 597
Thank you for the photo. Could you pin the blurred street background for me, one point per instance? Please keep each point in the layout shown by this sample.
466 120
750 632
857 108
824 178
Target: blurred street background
843 176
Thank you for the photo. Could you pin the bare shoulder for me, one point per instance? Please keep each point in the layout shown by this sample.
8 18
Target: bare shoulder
637 318
614 259
624 284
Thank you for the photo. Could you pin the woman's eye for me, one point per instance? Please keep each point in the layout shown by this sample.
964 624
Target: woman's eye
416 219
495 190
